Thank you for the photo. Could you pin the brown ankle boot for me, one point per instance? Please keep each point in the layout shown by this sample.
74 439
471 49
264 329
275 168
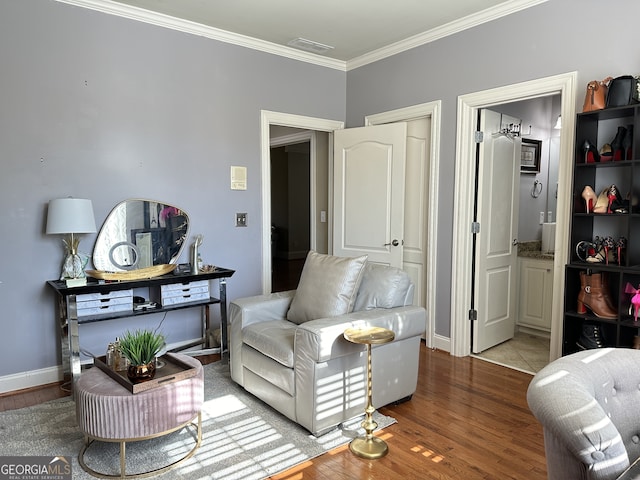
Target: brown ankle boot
594 295
636 342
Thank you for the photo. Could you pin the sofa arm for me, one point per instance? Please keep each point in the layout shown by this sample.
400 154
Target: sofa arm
579 433
321 340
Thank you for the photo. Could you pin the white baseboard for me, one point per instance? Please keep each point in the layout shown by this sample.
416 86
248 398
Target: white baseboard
534 331
442 343
44 376
32 378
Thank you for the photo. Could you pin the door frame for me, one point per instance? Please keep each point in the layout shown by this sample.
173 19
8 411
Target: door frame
268 118
465 174
432 110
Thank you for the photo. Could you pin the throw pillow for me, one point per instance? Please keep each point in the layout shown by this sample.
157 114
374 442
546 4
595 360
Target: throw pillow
328 287
382 287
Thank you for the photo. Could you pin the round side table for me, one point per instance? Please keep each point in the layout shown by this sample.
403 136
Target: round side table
368 446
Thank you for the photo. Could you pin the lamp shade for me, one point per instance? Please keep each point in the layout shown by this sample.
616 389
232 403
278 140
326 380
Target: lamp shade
70 215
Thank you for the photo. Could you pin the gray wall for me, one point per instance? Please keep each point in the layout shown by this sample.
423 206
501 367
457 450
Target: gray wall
551 38
100 107
538 117
106 108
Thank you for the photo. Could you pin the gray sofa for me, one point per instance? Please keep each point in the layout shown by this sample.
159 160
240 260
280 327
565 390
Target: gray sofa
288 350
589 406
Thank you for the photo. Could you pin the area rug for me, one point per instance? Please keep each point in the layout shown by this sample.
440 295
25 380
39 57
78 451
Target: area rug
243 438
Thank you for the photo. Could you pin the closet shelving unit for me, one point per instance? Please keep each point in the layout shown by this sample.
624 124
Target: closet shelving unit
599 128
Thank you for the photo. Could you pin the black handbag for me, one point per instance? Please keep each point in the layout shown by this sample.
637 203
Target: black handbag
623 91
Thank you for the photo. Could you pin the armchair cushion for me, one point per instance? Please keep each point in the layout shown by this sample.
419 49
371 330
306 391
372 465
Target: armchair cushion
273 338
328 287
382 287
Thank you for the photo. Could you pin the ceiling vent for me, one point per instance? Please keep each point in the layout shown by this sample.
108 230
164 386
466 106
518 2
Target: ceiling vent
309 45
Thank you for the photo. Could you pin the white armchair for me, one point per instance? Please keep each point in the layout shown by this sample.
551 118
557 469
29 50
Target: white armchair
288 350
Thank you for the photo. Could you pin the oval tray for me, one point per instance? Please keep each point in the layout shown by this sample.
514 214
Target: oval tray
138 274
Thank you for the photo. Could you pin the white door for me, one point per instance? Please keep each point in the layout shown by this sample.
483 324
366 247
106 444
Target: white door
495 280
369 171
414 260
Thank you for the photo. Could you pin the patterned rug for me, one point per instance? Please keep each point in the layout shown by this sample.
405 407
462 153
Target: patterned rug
243 438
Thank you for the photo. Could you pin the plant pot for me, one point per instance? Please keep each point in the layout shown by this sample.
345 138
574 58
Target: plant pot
141 373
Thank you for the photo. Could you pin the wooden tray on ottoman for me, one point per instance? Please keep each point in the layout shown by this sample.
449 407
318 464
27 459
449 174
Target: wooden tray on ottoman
172 370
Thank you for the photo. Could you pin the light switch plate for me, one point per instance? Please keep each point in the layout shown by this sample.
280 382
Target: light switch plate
241 219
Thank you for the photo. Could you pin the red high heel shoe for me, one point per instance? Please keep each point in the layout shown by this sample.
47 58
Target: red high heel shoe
627 143
621 244
590 152
602 204
590 198
617 144
608 244
606 154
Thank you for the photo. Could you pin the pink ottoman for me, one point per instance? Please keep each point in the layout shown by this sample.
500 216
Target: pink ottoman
106 411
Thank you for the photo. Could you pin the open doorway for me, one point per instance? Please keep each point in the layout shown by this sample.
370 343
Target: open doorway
290 211
536 124
468 107
278 129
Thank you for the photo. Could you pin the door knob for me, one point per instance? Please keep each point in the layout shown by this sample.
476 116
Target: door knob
395 243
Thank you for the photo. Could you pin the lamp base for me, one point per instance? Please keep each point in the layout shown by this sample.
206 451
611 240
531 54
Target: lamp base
76 282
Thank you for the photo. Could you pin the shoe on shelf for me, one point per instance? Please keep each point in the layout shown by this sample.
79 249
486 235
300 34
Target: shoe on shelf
590 152
627 143
606 153
594 295
621 244
590 338
590 198
616 205
634 306
602 203
617 144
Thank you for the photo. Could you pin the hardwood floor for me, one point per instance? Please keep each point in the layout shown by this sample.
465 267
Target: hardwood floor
468 420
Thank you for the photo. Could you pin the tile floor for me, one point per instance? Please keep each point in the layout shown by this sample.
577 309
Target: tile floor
525 352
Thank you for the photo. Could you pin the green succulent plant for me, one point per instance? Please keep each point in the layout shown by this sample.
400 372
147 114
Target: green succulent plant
142 346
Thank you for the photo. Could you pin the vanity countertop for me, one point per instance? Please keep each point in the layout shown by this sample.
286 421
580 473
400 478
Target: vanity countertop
533 249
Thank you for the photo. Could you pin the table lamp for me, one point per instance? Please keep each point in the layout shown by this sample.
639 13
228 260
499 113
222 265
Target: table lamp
71 216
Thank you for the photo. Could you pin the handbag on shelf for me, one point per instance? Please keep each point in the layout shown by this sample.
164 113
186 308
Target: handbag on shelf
622 91
596 96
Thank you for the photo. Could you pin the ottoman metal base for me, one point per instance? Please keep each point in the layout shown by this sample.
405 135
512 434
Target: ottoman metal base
196 426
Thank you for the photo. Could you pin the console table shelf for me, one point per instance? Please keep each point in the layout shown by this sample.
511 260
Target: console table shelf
68 309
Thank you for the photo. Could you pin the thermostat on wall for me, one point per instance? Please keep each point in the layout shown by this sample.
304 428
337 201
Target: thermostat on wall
238 178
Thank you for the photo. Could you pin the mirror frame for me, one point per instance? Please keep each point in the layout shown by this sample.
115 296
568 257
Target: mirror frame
122 252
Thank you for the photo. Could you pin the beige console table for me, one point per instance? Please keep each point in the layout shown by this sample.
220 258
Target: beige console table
68 310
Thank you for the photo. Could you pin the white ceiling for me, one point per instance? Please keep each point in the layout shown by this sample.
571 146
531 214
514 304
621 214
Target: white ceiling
360 31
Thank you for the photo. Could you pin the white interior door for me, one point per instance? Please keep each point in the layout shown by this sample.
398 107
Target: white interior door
369 177
495 280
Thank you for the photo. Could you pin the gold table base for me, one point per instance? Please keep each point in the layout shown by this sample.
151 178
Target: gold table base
368 446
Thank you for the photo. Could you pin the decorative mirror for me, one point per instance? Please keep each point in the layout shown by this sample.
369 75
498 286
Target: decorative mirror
139 234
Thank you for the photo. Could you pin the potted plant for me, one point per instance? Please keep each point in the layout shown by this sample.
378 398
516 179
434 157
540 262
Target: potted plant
141 348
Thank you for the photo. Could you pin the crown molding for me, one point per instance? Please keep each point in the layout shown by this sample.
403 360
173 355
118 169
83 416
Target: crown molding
186 26
139 14
446 30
